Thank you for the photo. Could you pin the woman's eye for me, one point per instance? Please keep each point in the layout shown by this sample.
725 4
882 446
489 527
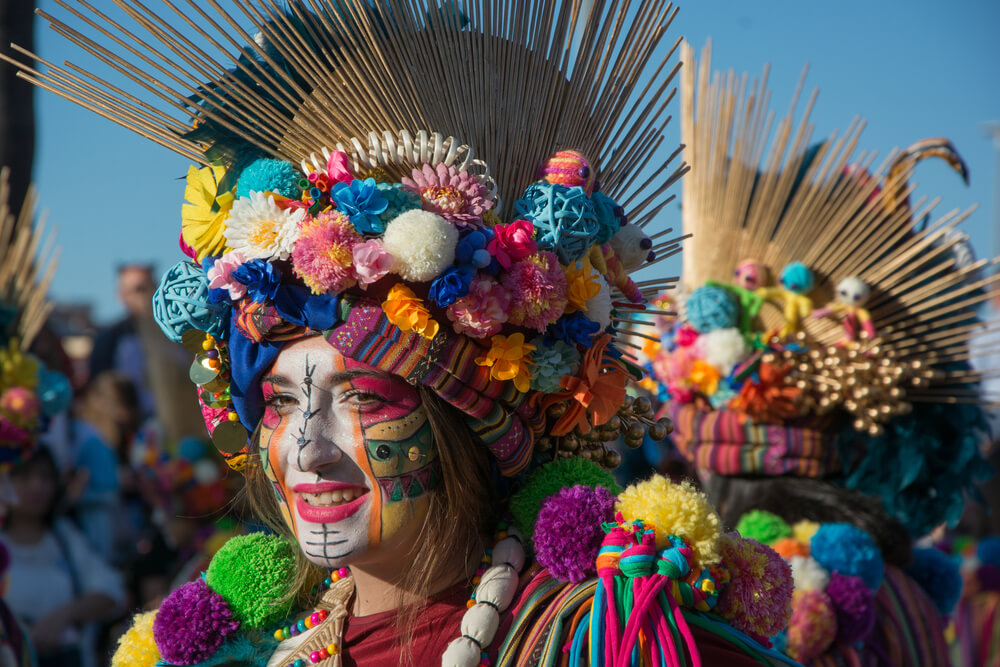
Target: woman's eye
364 398
280 401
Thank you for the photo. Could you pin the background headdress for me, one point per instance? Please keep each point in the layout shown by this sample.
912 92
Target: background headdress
422 125
832 320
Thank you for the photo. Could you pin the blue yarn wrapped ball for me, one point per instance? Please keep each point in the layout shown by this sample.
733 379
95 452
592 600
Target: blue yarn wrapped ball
797 277
181 303
270 175
710 308
564 219
610 217
939 576
840 547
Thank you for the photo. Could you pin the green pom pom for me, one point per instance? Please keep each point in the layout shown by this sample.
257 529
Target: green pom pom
548 479
251 573
765 527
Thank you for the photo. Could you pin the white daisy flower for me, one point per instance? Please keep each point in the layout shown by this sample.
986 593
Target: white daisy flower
259 229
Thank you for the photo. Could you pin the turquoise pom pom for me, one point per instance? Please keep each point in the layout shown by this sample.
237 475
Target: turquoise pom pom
610 217
54 392
797 277
939 576
564 219
710 308
269 175
181 303
840 547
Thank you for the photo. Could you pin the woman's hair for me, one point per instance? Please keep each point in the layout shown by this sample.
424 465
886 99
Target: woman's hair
463 510
40 459
801 498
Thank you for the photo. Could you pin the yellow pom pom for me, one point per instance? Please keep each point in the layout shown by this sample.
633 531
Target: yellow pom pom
804 531
674 509
136 647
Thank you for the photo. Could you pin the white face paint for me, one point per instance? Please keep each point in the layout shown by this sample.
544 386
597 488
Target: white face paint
349 454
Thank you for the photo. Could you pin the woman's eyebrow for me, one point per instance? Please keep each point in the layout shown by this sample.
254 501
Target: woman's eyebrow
340 377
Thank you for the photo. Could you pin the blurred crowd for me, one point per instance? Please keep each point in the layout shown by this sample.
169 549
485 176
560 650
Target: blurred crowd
123 501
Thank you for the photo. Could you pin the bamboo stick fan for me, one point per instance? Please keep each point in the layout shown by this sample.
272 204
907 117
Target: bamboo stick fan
25 270
514 80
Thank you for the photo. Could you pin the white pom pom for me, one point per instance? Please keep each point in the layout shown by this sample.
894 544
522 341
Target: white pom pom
627 244
723 349
808 574
498 585
206 472
509 550
422 244
480 622
599 305
461 652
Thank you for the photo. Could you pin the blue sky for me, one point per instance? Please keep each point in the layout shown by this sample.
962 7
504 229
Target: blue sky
912 69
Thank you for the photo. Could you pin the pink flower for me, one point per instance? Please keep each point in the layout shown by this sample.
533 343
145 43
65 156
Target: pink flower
537 285
482 311
21 404
455 196
338 168
324 253
686 335
512 242
220 275
371 262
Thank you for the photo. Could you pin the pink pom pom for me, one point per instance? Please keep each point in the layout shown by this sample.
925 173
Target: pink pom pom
758 599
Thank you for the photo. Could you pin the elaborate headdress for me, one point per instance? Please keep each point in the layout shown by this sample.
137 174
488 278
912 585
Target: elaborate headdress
478 243
29 392
825 323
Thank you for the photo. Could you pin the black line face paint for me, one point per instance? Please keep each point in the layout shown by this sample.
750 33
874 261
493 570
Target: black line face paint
349 452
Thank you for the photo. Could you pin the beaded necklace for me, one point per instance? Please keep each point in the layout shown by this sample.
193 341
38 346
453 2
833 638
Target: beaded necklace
494 587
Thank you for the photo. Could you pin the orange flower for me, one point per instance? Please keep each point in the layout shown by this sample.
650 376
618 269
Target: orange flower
704 376
407 311
508 359
593 395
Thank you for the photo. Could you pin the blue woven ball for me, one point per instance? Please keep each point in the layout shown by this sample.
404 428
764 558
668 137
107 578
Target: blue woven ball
610 216
181 303
269 175
710 308
564 219
851 551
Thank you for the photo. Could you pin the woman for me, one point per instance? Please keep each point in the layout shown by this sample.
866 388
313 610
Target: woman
58 586
413 333
818 380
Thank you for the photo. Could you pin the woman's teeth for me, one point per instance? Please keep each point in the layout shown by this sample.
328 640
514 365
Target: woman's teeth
331 498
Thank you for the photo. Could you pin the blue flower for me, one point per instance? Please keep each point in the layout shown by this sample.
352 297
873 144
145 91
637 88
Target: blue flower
451 285
362 202
575 329
261 278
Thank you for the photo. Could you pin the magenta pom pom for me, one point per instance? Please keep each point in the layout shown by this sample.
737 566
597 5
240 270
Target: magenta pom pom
191 624
758 599
813 626
568 531
854 603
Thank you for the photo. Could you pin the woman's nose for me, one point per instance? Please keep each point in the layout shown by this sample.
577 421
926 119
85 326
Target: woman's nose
316 450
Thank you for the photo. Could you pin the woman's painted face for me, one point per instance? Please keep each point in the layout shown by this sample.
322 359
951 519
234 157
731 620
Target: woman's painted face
349 452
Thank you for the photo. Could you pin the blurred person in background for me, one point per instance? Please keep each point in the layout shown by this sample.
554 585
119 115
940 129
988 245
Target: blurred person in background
120 347
59 587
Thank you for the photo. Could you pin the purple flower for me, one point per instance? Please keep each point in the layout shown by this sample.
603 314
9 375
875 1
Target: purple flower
260 277
362 202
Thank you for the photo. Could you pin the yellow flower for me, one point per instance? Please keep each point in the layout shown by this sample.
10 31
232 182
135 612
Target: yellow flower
508 360
201 226
17 369
408 312
583 285
704 376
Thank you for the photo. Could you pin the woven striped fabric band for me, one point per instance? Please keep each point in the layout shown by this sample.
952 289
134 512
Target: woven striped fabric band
729 443
496 412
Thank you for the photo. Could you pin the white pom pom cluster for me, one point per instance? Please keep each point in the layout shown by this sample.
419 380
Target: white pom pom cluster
723 348
495 592
599 305
422 244
808 574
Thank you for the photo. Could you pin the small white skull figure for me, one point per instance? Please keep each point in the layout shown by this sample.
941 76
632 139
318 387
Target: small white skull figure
853 292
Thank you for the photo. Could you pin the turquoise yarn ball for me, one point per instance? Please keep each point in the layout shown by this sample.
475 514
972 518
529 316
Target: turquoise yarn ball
797 277
181 303
610 217
564 219
269 175
710 308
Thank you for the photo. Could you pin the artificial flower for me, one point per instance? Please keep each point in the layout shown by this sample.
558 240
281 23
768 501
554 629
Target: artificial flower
398 199
260 229
338 168
220 275
583 284
766 397
13 435
324 253
371 262
455 196
472 248
513 242
685 335
597 390
537 286
205 210
575 329
552 362
704 376
20 404
450 286
482 311
17 369
261 278
404 309
508 360
362 202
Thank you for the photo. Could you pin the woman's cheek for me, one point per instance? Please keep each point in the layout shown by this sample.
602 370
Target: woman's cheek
274 468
